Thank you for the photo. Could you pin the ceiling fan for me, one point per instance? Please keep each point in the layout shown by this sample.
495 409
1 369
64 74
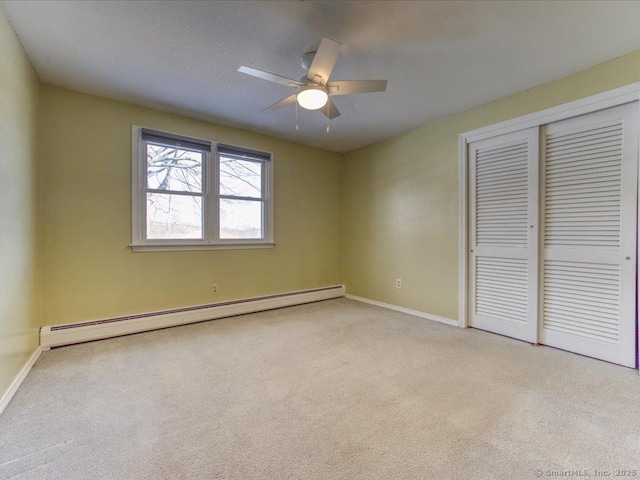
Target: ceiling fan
314 90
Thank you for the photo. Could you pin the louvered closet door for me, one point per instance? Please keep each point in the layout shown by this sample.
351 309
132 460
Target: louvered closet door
588 279
504 244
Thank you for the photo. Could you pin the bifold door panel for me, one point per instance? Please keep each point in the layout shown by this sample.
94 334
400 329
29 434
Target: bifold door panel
504 190
590 185
570 284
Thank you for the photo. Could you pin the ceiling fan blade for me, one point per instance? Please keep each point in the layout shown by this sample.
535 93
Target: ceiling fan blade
282 103
324 60
254 72
347 87
330 110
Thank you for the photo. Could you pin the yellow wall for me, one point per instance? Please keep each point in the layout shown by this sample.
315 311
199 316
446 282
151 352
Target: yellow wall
400 215
386 211
89 270
19 178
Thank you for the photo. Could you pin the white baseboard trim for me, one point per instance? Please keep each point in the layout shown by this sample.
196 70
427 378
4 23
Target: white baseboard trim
416 313
15 385
78 332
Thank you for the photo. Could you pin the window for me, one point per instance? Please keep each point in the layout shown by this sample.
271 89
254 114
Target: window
191 194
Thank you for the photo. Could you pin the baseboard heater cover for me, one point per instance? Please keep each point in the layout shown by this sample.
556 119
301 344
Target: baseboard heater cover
78 332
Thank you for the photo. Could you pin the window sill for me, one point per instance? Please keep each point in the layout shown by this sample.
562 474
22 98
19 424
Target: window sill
199 246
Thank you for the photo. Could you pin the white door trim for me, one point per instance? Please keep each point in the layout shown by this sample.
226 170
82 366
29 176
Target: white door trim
600 101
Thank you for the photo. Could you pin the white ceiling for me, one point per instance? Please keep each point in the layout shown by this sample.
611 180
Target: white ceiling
440 57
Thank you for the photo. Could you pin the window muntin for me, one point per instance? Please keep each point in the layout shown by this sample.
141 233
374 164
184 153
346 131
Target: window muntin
189 194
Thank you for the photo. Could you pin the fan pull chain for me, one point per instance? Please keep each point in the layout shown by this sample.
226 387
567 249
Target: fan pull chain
327 117
296 115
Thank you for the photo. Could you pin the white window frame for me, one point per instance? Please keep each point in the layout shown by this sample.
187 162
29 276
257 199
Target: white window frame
211 200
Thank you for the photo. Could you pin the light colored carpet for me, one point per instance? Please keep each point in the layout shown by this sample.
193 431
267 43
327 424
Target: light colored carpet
331 390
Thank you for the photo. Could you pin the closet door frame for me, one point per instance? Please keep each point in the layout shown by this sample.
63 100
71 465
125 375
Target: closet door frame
611 98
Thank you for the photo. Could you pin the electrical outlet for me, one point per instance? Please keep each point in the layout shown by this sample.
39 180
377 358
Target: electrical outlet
398 283
214 289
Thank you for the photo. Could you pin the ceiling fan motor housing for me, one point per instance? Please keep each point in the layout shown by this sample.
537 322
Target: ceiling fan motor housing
307 59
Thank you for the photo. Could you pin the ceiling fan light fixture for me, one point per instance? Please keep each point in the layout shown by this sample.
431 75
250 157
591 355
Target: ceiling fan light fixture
312 97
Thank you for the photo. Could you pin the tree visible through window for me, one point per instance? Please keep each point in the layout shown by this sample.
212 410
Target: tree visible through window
174 192
190 195
241 202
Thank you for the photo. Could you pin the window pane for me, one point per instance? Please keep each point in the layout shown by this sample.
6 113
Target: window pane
174 216
240 178
240 219
171 168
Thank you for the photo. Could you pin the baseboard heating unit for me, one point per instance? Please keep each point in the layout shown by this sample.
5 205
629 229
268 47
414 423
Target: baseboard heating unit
70 333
